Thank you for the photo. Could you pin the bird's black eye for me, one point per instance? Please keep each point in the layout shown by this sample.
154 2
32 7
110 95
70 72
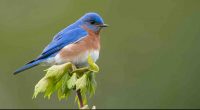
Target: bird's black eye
92 22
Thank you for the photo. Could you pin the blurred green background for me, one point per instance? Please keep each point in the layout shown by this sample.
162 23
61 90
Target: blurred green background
149 56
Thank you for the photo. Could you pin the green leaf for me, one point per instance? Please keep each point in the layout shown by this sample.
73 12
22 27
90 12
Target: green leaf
57 71
64 83
60 94
71 82
50 82
50 88
92 66
64 89
63 94
59 85
80 71
91 83
81 82
41 86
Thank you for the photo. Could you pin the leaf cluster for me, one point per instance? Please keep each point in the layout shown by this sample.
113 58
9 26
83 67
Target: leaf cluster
65 78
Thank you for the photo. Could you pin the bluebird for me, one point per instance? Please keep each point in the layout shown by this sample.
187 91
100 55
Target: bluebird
72 44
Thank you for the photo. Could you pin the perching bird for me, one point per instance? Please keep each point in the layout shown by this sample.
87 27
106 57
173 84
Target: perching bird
72 44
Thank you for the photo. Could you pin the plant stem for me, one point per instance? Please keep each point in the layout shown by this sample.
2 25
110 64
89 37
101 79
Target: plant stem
78 92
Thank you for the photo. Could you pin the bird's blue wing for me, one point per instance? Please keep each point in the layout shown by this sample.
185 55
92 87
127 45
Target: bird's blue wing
61 40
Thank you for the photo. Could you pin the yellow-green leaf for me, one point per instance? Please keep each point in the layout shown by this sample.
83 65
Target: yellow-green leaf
41 86
92 66
71 82
91 83
57 71
81 82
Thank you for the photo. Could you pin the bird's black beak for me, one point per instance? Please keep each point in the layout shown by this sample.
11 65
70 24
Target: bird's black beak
103 25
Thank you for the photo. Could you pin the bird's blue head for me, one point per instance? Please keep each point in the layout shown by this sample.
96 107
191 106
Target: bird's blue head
93 21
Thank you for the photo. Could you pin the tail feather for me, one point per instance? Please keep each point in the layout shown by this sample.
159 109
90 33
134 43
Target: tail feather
28 66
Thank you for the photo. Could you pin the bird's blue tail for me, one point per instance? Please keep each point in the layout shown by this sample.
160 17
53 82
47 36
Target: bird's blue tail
28 66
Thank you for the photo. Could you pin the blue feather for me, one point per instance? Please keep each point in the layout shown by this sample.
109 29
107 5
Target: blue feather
53 48
66 38
28 65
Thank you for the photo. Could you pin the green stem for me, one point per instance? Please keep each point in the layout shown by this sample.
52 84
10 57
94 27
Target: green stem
78 92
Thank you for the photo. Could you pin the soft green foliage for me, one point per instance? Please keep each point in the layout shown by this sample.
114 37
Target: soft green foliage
92 66
71 82
91 83
81 82
65 78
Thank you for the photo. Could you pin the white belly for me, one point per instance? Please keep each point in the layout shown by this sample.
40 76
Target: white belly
79 60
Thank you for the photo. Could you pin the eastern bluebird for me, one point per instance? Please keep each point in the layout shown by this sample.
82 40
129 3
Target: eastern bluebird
72 44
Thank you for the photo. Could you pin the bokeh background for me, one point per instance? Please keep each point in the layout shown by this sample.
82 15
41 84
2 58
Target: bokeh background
149 56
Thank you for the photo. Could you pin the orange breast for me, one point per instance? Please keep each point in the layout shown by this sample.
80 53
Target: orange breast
90 42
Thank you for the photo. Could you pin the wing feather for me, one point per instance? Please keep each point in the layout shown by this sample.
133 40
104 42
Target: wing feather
66 38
